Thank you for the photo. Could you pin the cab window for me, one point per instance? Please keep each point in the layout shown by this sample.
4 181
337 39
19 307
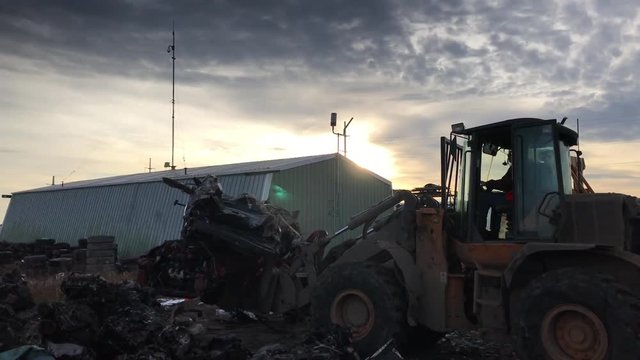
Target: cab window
536 177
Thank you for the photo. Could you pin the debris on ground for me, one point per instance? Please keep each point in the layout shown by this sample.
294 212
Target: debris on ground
14 298
471 345
14 291
101 320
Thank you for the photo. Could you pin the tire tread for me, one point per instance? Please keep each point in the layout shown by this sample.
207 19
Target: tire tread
603 290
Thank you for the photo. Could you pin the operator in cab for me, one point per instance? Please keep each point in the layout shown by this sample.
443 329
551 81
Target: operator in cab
496 201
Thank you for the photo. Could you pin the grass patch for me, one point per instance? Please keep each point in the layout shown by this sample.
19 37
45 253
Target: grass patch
45 289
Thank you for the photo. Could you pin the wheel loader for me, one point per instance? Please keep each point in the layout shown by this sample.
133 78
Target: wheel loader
544 262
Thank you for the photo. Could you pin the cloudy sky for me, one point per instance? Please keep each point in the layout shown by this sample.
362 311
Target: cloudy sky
85 88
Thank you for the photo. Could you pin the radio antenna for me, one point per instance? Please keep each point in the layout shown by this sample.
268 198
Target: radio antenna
172 49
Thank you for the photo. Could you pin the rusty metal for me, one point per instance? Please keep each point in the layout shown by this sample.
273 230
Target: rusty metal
353 309
235 252
433 267
580 184
456 317
487 255
572 331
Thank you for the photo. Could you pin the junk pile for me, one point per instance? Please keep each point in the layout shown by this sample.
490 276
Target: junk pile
15 300
233 252
44 246
99 320
244 223
36 255
46 256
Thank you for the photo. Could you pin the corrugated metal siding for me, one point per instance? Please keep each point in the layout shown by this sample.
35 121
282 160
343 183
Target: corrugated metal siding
358 190
140 216
252 184
327 193
309 189
251 168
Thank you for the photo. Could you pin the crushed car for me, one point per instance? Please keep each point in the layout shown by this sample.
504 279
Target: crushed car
235 252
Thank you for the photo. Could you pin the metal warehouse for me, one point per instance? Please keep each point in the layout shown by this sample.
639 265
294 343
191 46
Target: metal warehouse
139 209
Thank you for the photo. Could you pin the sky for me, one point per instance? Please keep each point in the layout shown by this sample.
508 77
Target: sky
85 85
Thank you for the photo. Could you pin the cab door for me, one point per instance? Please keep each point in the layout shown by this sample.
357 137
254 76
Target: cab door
537 183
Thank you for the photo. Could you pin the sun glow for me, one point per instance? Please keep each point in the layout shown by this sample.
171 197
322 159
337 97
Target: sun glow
372 157
222 147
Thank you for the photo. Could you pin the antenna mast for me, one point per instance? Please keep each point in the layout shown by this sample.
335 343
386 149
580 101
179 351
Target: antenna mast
334 118
172 49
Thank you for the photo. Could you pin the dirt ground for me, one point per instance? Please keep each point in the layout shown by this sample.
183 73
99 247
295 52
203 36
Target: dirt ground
459 345
100 315
454 346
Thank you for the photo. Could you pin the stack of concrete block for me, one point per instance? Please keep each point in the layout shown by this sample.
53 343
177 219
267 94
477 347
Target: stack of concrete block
80 260
60 265
101 254
61 262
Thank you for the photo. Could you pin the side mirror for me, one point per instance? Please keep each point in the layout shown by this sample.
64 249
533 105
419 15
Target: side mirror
549 204
490 149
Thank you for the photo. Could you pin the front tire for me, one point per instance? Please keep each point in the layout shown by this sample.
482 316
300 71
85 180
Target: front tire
367 299
574 314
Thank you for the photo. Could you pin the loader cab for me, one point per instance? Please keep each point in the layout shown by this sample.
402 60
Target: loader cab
511 177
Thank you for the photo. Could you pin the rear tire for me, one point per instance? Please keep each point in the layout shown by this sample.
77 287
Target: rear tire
574 314
366 298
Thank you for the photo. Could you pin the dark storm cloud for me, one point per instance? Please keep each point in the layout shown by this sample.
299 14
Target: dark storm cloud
328 39
436 50
618 119
78 36
130 37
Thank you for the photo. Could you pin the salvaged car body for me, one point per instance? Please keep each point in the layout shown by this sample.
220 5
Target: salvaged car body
234 252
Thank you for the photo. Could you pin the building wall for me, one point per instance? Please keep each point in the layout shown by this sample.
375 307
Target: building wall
142 215
138 215
327 193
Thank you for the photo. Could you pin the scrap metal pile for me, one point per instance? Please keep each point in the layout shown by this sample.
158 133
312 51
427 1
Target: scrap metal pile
242 223
100 320
233 252
96 320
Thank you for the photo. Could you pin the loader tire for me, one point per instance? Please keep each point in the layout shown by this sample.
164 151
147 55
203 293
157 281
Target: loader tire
576 314
367 299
